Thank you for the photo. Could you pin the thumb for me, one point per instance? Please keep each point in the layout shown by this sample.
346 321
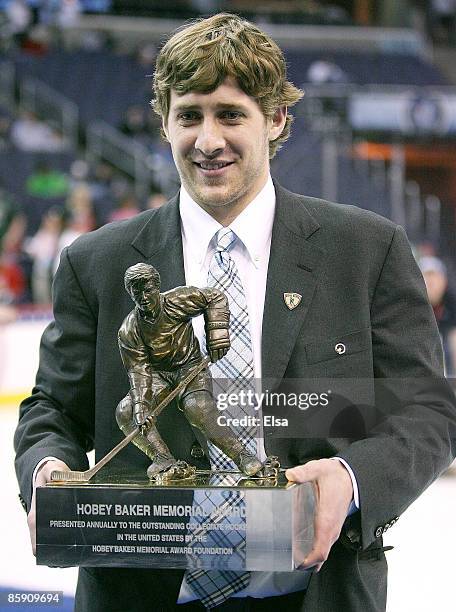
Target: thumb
302 473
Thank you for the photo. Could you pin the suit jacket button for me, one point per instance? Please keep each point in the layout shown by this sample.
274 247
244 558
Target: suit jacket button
378 532
340 348
22 500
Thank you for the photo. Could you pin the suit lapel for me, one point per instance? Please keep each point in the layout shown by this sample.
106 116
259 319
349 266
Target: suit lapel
294 266
160 243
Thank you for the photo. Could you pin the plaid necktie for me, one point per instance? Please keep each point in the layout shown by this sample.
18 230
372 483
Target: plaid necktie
236 369
234 372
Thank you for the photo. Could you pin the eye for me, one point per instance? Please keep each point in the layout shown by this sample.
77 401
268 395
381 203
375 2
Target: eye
232 115
187 117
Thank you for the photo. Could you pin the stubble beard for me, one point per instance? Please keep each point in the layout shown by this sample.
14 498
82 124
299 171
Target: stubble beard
229 194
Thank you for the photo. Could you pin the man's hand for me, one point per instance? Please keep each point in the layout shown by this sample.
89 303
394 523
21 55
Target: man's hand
43 476
333 493
218 343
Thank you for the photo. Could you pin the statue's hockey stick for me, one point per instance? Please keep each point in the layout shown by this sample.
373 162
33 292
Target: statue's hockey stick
74 476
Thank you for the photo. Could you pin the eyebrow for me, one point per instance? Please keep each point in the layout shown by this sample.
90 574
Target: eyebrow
219 106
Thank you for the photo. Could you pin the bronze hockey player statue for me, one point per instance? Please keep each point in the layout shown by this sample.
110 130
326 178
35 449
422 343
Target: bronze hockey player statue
159 349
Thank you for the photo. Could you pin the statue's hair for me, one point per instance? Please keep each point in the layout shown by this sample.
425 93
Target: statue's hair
137 275
201 55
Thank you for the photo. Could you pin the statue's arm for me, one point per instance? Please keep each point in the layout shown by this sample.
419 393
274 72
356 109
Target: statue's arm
184 303
216 323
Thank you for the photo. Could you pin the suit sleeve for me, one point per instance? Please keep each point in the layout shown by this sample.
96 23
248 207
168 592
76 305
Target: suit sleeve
415 439
58 417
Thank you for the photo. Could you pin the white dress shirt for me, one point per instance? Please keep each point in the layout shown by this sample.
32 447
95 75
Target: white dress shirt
253 227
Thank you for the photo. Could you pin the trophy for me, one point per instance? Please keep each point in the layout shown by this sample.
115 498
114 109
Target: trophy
241 514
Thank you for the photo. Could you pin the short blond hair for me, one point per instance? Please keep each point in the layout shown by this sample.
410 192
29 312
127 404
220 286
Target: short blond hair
201 55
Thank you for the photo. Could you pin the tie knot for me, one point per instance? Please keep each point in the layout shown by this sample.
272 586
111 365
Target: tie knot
224 239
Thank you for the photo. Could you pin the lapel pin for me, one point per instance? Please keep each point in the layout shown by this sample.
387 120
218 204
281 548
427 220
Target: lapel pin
292 300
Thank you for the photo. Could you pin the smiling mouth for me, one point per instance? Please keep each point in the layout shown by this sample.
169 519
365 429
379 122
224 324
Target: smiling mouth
212 166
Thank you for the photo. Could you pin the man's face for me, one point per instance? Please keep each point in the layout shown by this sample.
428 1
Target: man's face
147 298
220 145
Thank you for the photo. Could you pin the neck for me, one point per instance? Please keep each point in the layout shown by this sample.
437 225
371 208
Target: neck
225 214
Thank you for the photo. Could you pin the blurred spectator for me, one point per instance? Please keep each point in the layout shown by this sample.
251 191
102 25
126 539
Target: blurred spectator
324 71
68 13
38 41
46 182
127 208
12 224
80 210
424 249
146 55
79 220
42 248
79 173
94 40
13 285
165 175
444 305
28 133
443 20
19 17
5 126
156 200
12 280
205 7
101 184
59 15
136 124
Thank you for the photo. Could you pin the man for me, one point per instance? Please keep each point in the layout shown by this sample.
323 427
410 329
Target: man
444 306
221 89
159 349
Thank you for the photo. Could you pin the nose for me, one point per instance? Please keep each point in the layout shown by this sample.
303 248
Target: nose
210 140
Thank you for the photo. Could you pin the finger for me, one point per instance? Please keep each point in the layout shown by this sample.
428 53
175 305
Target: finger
314 560
31 522
303 473
306 567
323 540
327 526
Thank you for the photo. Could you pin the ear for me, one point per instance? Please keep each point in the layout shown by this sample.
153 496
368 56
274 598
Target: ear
278 122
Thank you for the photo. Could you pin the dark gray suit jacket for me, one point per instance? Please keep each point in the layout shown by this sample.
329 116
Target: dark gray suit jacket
360 287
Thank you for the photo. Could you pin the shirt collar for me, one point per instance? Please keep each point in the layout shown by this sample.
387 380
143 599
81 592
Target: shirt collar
199 227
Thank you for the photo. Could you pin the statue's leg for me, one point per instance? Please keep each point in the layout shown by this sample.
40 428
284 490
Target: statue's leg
151 443
199 407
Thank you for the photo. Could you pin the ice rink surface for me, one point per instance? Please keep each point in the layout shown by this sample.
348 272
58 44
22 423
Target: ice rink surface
422 570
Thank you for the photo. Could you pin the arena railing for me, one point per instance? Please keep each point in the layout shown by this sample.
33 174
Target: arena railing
52 106
131 157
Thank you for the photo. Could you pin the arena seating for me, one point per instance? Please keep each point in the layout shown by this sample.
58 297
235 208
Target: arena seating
105 84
